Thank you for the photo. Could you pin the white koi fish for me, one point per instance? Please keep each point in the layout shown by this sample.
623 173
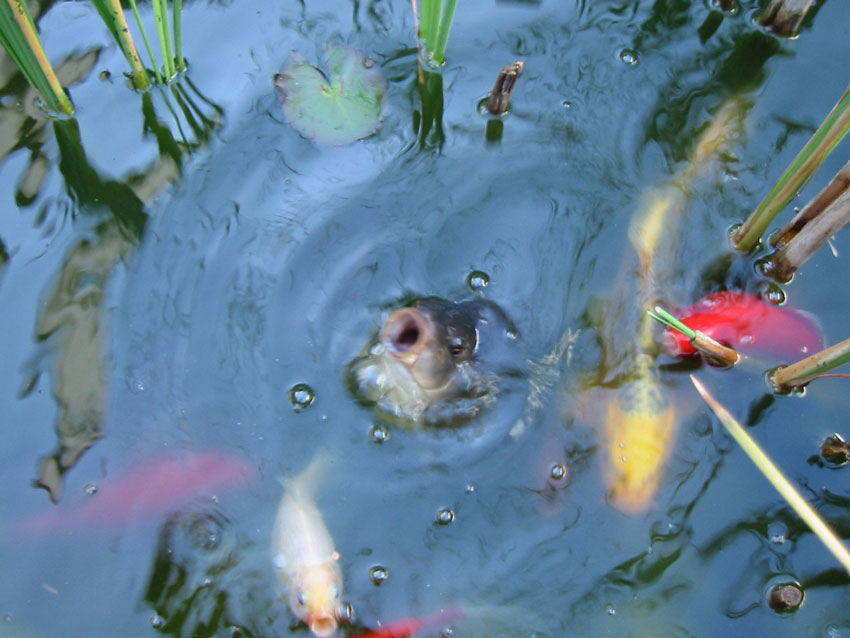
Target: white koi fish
303 553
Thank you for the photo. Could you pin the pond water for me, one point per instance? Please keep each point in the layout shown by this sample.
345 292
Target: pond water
174 264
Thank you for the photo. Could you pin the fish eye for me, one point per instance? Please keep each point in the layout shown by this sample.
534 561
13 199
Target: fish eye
456 346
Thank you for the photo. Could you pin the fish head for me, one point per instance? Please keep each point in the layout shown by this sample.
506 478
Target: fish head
315 597
436 361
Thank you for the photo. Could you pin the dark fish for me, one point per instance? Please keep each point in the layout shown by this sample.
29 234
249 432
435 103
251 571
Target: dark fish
435 361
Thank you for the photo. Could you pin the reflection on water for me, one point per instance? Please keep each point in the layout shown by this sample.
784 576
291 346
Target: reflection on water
213 293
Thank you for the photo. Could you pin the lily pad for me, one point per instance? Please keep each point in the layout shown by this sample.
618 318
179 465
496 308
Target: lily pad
335 110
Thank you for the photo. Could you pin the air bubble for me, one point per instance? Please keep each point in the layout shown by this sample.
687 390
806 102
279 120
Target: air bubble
345 613
567 104
477 280
629 56
301 395
157 621
90 489
379 434
775 295
558 472
378 575
445 516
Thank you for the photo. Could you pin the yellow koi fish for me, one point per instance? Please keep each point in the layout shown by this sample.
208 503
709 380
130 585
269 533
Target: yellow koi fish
640 424
304 555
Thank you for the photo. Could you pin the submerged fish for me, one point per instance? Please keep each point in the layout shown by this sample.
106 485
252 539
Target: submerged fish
748 324
303 553
434 361
408 627
150 489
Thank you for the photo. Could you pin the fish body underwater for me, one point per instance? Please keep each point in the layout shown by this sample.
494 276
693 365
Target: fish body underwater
147 490
303 554
748 324
435 362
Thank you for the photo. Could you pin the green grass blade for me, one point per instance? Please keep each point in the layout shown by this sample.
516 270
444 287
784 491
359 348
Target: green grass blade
800 373
113 16
429 21
664 317
777 479
177 8
160 11
441 40
147 42
808 160
20 38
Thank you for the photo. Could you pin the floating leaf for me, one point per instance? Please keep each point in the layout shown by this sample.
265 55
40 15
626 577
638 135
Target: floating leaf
336 111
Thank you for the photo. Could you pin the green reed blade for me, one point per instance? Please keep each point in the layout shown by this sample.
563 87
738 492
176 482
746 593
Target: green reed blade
808 160
429 20
147 42
664 317
441 40
20 38
177 8
773 474
113 16
800 373
160 11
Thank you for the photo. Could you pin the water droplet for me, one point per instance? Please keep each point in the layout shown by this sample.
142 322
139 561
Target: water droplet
379 433
558 472
345 613
378 575
629 56
301 395
90 489
445 516
477 280
157 621
775 295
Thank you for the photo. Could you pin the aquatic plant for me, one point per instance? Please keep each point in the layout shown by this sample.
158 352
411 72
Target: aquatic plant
812 367
783 17
773 474
113 16
335 110
796 176
434 27
20 38
710 348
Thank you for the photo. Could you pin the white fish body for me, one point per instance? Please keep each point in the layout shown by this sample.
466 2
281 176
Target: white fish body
304 555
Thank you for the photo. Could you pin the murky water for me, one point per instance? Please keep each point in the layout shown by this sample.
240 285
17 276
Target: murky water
193 275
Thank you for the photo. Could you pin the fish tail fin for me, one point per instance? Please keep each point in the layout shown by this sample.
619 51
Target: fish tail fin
311 476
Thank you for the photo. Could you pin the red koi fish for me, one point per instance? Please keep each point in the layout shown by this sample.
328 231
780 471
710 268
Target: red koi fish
145 491
412 626
748 324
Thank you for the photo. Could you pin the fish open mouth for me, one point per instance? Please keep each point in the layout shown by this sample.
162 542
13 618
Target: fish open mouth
323 625
405 333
